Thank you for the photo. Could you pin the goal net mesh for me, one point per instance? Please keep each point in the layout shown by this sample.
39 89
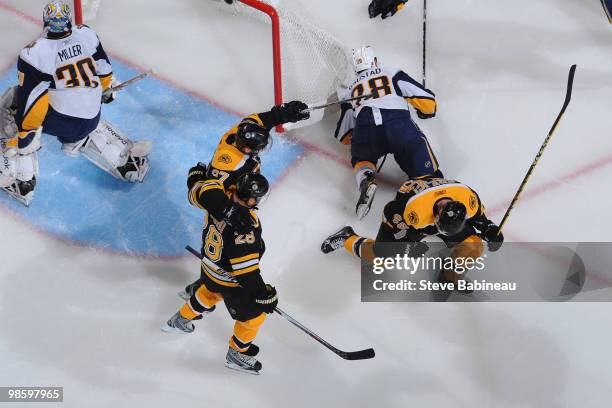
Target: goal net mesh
314 62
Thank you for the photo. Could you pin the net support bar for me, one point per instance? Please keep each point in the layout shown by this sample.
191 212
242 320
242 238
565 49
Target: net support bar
78 12
276 48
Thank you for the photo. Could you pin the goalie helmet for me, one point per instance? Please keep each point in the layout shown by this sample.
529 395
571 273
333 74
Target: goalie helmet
252 135
450 220
57 17
363 58
252 185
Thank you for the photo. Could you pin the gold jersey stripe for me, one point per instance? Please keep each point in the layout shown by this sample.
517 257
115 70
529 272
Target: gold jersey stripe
244 258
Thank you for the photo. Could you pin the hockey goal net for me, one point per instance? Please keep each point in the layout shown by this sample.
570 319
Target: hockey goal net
309 63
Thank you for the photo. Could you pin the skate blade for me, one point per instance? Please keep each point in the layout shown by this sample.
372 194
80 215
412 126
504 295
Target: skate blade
169 329
364 209
236 367
25 200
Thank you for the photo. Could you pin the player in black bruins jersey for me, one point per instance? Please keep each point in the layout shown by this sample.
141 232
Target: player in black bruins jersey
432 206
239 148
231 247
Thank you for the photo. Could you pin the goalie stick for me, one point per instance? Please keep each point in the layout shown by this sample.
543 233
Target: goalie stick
347 355
129 82
568 96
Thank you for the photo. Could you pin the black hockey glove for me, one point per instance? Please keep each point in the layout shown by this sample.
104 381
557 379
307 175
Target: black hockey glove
196 173
386 8
266 302
416 249
239 218
108 97
422 115
293 111
493 236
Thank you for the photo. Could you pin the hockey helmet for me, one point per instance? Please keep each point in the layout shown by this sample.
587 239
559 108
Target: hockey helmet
252 185
363 58
252 135
57 17
450 219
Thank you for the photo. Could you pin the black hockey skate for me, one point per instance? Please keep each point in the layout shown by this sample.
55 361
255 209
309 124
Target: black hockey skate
189 290
367 190
245 362
336 240
178 324
22 191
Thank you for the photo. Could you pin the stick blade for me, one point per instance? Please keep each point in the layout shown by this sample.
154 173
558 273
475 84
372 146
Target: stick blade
359 355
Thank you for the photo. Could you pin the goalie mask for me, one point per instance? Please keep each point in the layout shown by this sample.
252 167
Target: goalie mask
57 17
252 185
450 219
252 136
363 58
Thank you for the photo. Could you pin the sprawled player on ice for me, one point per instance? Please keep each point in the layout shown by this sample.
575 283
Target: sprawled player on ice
380 124
433 206
232 246
385 8
61 79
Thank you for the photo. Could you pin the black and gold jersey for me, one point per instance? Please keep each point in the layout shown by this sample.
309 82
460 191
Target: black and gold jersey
228 161
413 206
230 260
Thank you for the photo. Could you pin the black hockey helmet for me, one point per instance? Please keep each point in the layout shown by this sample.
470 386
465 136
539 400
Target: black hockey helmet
252 185
252 135
450 220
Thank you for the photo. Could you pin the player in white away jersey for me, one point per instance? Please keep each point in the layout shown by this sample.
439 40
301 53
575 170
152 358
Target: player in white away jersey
62 77
380 124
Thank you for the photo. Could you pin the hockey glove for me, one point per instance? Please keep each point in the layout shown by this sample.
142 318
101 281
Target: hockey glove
493 236
196 173
293 111
266 302
239 218
107 96
385 8
422 115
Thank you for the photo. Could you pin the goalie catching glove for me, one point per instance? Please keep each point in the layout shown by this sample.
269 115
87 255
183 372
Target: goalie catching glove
267 301
385 8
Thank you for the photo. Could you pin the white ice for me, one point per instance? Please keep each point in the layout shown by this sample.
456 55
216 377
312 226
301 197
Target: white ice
90 322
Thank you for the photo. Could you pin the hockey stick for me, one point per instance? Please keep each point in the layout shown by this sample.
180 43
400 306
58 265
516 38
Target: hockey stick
315 107
424 39
568 96
127 83
347 355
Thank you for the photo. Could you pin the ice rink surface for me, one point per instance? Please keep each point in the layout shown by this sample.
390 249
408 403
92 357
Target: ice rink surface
86 317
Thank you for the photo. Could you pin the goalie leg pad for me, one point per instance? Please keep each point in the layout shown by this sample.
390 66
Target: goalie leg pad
109 149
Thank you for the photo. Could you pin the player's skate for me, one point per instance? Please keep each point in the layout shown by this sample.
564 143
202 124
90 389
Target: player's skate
137 164
189 290
367 190
336 240
245 362
22 191
178 324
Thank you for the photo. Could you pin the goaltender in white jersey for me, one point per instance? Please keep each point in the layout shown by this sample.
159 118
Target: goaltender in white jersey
62 77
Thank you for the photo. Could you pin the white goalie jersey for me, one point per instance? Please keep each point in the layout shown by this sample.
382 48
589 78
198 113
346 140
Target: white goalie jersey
67 74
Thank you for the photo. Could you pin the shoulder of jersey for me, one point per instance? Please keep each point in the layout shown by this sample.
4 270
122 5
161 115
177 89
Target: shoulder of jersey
40 54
